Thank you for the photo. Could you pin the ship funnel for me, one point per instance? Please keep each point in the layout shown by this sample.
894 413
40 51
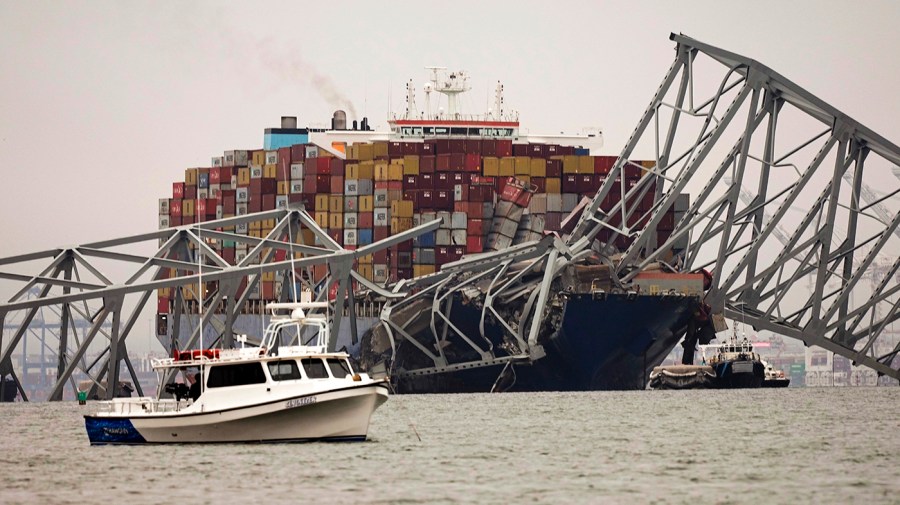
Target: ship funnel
339 120
289 122
365 124
354 125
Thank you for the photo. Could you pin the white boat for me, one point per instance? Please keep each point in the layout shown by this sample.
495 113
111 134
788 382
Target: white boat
270 393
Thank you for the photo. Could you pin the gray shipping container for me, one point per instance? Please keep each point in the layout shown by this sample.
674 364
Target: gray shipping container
458 221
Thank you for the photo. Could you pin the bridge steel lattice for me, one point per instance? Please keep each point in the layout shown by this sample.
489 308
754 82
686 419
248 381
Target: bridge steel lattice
752 148
75 282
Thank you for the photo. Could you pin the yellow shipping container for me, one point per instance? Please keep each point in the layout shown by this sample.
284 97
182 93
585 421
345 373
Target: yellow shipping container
523 165
366 170
336 220
395 172
552 185
381 171
322 219
570 164
351 171
396 161
368 272
381 148
258 158
335 203
255 225
307 236
352 152
585 164
284 187
270 171
649 165
420 270
187 208
538 167
190 176
491 166
367 259
366 203
402 208
243 176
322 203
401 224
526 179
268 224
366 152
268 276
411 165
507 167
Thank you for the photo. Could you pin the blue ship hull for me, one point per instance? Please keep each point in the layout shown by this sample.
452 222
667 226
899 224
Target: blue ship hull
603 343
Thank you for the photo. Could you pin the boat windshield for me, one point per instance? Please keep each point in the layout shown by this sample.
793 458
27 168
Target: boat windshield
314 368
340 368
284 370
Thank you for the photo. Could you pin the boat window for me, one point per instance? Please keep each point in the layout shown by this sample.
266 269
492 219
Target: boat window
457 131
315 368
235 375
339 368
284 370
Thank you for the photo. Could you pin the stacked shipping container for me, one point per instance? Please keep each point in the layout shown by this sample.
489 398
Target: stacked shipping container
489 194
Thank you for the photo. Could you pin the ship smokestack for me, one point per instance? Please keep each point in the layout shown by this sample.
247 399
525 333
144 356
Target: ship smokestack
339 120
354 125
289 122
365 124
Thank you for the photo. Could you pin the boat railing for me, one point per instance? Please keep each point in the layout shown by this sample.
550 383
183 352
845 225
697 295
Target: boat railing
142 405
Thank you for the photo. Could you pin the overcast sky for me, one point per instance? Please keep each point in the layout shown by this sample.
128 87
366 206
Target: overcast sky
104 104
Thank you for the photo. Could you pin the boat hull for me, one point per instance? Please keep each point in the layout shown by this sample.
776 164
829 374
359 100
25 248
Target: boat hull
338 415
740 374
603 343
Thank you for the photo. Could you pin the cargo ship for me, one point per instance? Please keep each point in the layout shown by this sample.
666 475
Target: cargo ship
493 187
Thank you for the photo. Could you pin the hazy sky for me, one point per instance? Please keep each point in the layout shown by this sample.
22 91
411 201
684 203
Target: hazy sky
104 104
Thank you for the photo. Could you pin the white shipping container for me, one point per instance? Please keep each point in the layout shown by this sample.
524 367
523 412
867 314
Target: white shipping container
458 237
256 172
163 206
242 195
496 242
382 217
214 190
351 187
241 228
538 203
445 218
554 202
163 222
220 212
236 158
202 193
458 221
350 220
569 201
296 187
417 219
271 157
217 161
350 236
381 272
351 204
365 186
296 170
281 202
443 237
381 198
312 152
428 217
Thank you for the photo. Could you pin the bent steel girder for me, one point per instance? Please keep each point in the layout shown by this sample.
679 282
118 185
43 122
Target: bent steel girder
750 151
79 284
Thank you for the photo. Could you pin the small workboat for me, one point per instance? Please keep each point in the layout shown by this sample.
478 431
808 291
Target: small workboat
277 392
774 378
737 365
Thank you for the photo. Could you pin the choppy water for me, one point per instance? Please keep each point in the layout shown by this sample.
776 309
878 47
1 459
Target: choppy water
835 445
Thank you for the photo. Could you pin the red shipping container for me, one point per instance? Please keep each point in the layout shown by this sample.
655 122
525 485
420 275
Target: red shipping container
473 146
551 150
504 148
323 166
554 168
427 164
425 199
366 220
262 186
336 167
443 199
190 192
268 201
395 149
426 181
206 207
174 221
520 150
411 182
539 184
457 146
323 183
443 163
603 164
162 305
228 255
381 233
488 147
443 180
426 148
381 256
473 162
478 180
298 153
309 183
474 244
412 148
536 150
570 183
457 252
457 178
477 227
458 162
441 255
461 192
337 185
303 198
174 208
177 190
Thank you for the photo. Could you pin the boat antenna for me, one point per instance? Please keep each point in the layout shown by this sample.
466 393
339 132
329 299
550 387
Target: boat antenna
290 217
200 285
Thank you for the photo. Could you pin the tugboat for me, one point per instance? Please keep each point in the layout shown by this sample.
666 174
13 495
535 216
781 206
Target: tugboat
736 365
774 378
271 393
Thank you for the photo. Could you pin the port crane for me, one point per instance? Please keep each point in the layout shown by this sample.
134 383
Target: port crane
715 114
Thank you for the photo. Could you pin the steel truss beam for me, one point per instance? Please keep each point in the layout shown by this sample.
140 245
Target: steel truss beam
76 286
743 191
